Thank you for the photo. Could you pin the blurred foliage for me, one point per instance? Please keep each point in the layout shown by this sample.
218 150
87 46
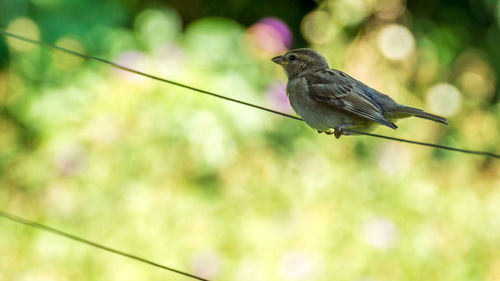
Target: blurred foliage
228 192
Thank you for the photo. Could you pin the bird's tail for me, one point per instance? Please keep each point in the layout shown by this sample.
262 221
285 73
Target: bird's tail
407 110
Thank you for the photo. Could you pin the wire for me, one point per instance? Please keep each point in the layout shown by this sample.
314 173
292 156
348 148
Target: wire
45 228
143 73
427 144
484 153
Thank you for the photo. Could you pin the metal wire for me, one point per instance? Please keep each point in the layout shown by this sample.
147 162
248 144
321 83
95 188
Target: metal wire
438 146
489 154
58 232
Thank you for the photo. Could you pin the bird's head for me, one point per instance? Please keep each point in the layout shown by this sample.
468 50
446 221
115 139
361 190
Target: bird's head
300 61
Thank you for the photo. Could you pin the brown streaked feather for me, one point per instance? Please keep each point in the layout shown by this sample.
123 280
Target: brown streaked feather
342 92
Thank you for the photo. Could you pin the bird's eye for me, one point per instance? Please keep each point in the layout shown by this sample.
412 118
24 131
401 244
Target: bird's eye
292 57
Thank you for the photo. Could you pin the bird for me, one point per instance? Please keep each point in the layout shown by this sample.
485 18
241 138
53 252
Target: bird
333 102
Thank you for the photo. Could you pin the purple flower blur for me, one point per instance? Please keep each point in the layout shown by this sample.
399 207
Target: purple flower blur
276 97
270 36
281 28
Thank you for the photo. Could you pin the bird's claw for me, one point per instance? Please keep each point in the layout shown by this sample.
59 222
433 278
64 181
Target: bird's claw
339 131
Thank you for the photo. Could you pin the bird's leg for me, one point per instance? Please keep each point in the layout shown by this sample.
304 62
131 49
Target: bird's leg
338 131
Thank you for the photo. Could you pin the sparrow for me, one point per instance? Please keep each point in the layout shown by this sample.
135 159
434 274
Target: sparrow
333 102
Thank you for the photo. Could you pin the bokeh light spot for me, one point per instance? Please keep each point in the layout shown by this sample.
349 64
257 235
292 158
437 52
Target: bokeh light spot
396 42
60 199
317 27
476 76
66 61
350 12
268 36
284 32
380 232
206 264
475 84
394 159
25 27
444 99
208 41
155 27
296 265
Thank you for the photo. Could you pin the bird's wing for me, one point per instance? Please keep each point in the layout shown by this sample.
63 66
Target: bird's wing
344 93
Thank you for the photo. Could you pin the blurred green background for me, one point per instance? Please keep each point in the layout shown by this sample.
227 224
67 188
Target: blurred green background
228 192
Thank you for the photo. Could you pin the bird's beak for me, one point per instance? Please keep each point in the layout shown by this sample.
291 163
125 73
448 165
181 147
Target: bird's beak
279 60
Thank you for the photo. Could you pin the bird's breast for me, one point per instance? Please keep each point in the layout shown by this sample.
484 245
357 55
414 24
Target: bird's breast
316 114
297 91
